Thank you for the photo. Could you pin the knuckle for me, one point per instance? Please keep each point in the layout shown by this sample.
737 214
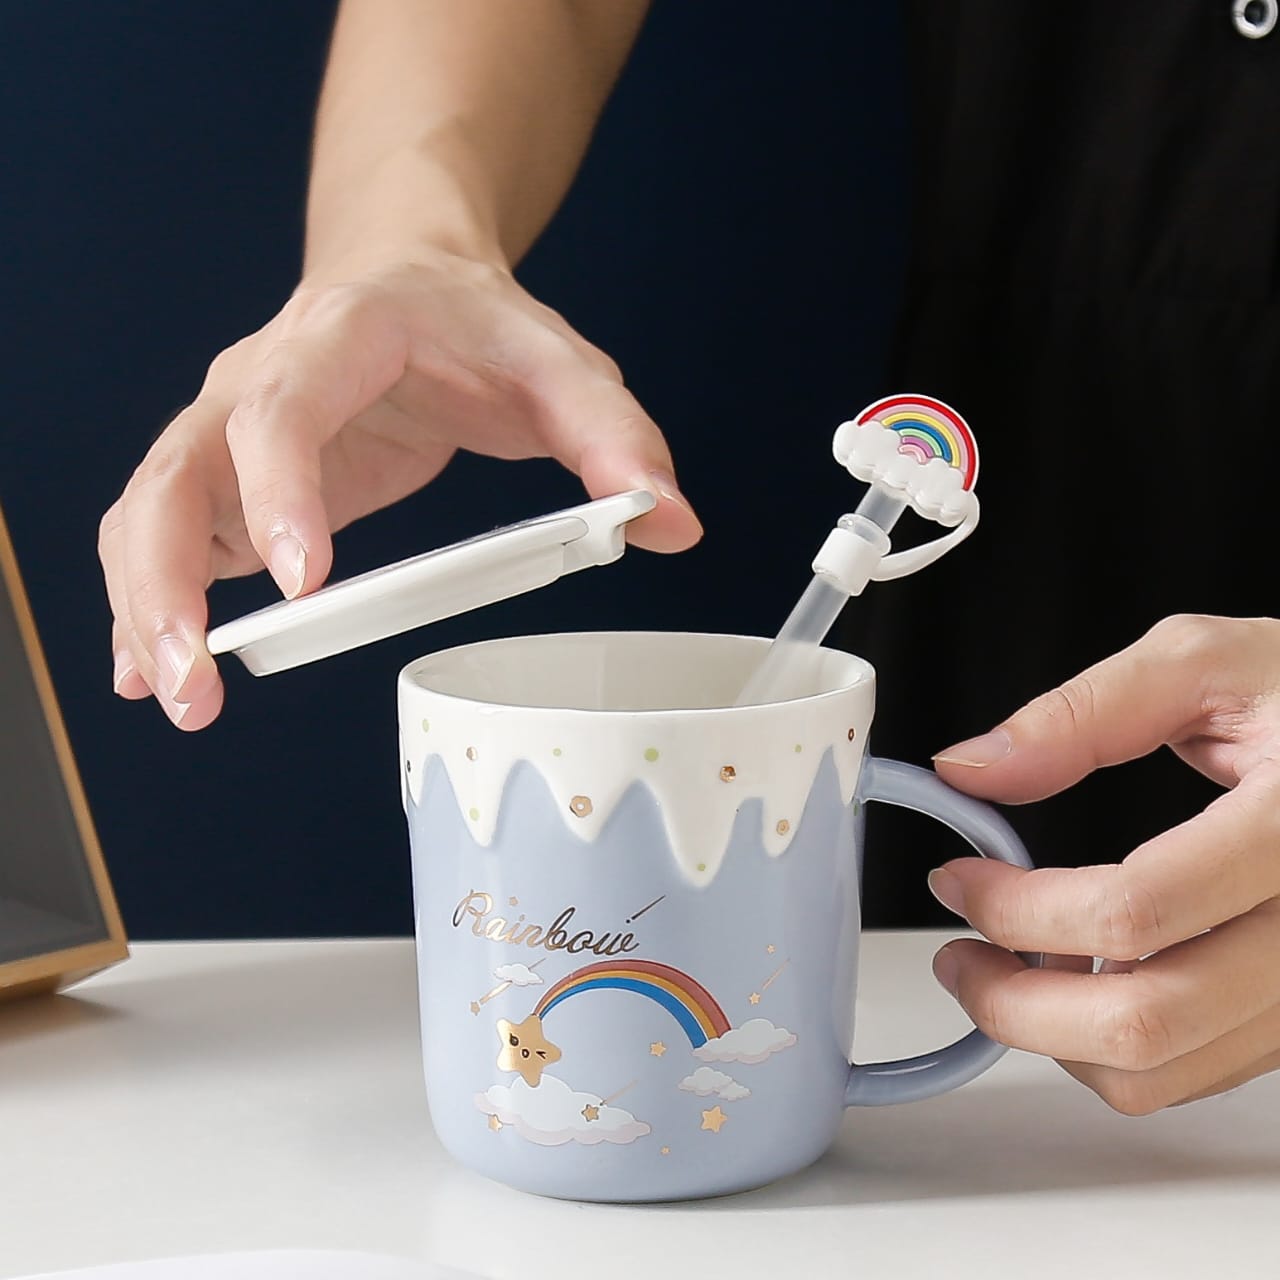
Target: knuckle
1133 1035
165 462
256 403
1264 630
1020 913
533 362
224 367
553 346
274 396
993 1014
1131 1093
1129 925
266 491
148 615
603 363
1003 920
1189 637
108 527
1072 703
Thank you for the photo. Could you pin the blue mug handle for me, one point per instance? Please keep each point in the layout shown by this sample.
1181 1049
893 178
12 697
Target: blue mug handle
878 1084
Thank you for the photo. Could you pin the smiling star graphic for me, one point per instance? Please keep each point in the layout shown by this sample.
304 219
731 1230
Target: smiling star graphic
525 1049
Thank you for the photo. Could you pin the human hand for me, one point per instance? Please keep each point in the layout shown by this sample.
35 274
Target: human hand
1187 1002
354 396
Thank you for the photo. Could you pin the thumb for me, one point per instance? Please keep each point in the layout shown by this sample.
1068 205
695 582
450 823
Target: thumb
1149 694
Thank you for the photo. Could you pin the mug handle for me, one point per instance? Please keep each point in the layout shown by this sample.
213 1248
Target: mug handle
878 1084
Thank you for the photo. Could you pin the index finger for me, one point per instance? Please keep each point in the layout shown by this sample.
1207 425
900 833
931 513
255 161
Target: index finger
1156 691
1208 870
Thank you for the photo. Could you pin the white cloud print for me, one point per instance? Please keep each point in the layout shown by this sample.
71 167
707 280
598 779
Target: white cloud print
707 1081
519 975
752 1042
553 1114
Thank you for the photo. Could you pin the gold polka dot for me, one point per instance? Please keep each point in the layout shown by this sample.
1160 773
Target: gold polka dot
853 733
555 751
728 773
783 826
651 754
702 866
426 726
581 806
472 753
475 814
799 748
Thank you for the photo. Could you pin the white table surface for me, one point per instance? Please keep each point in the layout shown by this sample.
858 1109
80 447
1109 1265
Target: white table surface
221 1096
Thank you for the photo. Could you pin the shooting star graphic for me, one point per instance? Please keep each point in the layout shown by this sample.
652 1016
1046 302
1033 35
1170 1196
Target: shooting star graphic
604 1102
638 914
524 979
754 997
592 1110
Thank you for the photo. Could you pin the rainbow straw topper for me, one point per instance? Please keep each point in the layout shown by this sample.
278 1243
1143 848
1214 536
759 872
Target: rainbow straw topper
881 443
913 451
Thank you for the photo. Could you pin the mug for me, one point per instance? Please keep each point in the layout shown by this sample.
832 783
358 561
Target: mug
637 909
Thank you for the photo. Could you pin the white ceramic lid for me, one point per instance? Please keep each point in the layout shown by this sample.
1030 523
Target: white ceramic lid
427 588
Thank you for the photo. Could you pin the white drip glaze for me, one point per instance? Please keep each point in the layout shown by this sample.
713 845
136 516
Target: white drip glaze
701 765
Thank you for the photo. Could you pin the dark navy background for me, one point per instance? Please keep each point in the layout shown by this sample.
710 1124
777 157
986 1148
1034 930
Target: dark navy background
735 241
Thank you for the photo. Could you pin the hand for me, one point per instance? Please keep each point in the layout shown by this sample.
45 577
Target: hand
1187 1003
354 396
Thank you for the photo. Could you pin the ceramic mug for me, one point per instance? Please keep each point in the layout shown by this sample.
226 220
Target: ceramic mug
637 909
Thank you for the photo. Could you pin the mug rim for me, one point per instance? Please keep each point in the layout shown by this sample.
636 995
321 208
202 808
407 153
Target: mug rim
858 672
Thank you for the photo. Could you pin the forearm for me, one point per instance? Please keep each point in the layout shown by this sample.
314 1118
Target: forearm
456 123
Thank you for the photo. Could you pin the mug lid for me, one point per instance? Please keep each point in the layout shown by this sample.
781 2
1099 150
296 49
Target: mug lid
430 587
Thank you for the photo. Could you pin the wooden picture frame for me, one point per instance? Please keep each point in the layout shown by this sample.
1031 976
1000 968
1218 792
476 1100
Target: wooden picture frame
59 921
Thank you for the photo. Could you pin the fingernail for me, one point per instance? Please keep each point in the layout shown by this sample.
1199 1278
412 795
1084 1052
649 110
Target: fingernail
175 660
665 483
124 667
288 563
946 968
979 752
947 889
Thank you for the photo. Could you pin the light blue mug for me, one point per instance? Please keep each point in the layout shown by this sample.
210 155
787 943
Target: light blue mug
637 909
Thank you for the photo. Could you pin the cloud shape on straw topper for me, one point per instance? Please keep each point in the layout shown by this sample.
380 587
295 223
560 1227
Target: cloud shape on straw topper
752 1042
553 1114
519 975
707 1081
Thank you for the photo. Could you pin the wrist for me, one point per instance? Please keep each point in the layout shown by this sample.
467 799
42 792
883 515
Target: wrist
401 208
382 259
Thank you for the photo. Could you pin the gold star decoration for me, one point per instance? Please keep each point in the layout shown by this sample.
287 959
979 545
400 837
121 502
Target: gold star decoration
495 1124
666 1151
475 1006
525 1049
771 948
754 997
657 1048
513 902
714 1119
590 1112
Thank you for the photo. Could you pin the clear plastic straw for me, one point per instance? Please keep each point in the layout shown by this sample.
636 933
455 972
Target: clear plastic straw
785 671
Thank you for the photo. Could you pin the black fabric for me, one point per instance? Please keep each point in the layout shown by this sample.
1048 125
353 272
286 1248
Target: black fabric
1093 285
